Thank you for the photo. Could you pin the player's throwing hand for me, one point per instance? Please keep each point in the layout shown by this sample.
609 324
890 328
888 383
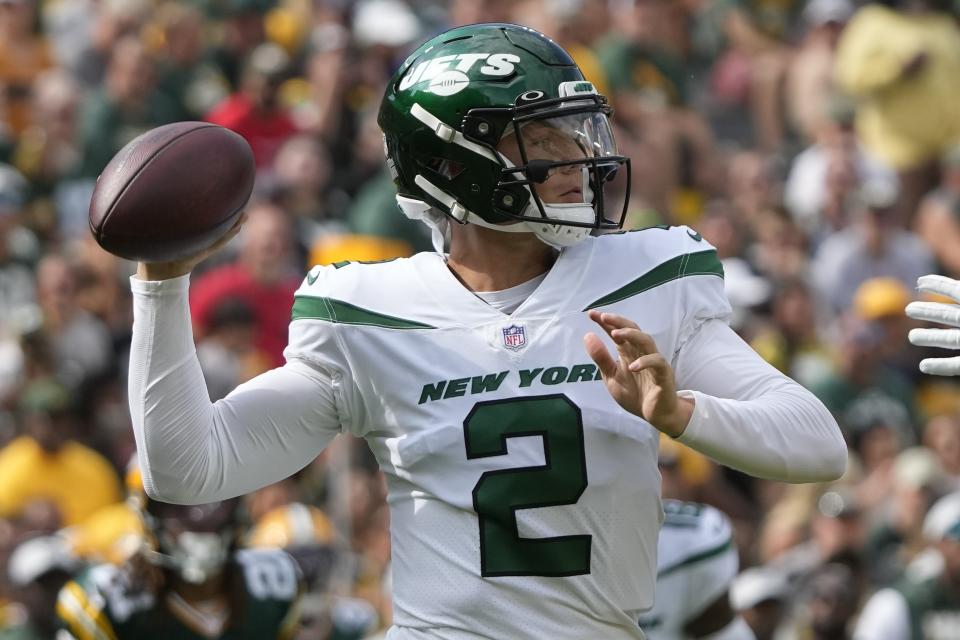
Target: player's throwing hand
940 312
177 268
641 380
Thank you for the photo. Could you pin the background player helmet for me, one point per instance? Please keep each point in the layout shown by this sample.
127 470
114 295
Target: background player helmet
456 97
291 525
193 540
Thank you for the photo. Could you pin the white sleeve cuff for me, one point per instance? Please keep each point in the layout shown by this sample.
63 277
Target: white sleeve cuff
177 285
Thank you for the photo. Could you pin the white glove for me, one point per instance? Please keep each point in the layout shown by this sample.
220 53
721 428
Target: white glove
944 313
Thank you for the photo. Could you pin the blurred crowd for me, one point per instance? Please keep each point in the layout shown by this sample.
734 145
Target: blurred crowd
814 143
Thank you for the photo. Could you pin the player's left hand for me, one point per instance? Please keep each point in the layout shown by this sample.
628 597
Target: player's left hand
943 313
640 380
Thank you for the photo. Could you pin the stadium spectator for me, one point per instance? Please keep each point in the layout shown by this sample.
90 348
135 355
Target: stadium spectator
917 481
264 276
924 603
227 352
303 187
829 605
242 30
79 342
881 301
938 219
872 246
47 150
127 105
24 54
900 60
46 464
874 403
752 67
837 535
824 177
761 596
85 34
942 435
644 68
17 252
752 186
183 72
792 340
254 110
810 83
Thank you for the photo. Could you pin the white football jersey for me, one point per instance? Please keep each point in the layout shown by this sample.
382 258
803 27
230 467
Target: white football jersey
696 562
524 501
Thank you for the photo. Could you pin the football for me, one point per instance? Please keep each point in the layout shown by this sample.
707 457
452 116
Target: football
172 192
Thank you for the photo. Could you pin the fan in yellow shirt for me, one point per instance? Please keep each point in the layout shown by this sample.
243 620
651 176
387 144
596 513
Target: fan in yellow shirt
901 64
46 464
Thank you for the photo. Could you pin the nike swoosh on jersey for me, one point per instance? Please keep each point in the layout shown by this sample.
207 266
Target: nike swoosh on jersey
695 235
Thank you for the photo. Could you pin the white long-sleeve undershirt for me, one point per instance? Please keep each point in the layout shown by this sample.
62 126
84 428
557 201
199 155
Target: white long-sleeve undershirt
747 415
192 451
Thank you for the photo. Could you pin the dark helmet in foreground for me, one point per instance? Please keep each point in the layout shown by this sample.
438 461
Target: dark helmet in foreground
195 541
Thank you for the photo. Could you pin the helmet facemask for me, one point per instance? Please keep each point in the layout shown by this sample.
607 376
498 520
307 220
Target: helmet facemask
194 541
563 154
559 166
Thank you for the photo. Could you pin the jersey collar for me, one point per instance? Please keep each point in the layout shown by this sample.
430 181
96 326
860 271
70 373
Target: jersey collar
549 300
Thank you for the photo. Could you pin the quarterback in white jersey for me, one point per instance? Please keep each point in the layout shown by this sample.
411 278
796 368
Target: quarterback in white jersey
696 562
520 456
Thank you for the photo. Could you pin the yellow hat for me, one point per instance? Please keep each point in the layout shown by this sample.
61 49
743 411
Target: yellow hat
880 297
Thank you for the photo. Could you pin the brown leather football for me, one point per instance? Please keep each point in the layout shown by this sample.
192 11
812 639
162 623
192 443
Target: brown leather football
172 192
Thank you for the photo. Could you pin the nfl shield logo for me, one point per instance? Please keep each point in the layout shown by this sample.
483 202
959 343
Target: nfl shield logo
514 337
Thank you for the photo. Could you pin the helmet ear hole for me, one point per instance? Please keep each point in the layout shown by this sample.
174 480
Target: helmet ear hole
512 201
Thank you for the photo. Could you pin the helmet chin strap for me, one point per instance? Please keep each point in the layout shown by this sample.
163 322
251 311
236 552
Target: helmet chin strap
558 235
555 235
438 223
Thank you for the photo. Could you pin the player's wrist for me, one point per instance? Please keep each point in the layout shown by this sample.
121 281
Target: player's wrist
154 271
676 423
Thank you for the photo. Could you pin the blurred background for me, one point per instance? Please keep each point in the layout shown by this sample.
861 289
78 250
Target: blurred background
815 143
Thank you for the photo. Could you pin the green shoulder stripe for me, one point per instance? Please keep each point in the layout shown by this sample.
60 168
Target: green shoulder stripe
694 559
316 308
700 263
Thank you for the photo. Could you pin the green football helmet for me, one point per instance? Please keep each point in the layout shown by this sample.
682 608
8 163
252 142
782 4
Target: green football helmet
494 124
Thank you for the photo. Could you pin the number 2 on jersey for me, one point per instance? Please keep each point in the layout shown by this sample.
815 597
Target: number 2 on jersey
501 493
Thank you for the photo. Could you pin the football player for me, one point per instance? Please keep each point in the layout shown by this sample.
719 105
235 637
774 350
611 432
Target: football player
940 312
190 582
521 460
696 562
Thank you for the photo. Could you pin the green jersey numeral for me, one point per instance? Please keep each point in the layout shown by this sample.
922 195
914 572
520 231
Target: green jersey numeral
501 493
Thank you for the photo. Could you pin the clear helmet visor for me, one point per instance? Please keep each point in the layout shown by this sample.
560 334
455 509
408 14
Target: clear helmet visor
570 164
